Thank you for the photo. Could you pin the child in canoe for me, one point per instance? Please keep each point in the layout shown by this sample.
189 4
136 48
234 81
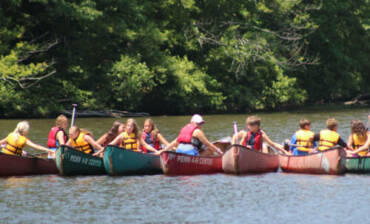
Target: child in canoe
130 139
329 137
359 140
108 137
152 136
82 140
17 140
191 139
253 137
57 135
301 142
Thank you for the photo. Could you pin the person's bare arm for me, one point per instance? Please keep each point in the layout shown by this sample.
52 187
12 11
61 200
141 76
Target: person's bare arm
350 142
162 139
60 137
363 147
101 140
93 143
237 137
273 144
200 135
38 147
147 146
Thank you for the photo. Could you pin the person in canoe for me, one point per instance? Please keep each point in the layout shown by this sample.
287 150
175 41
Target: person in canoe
253 137
82 140
152 136
301 142
359 140
191 138
108 137
17 140
57 135
329 137
129 139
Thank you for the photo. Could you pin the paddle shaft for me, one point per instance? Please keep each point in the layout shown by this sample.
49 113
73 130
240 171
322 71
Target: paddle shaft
73 114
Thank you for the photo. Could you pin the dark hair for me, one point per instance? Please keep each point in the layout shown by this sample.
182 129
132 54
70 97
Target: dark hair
303 123
113 132
358 128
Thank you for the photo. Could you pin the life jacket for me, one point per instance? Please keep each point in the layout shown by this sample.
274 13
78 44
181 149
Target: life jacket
129 141
357 142
14 146
186 133
52 139
81 144
253 139
328 139
150 140
303 140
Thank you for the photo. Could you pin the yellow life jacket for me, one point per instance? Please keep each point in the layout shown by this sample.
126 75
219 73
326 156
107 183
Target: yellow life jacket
14 146
129 141
328 139
303 140
357 142
81 144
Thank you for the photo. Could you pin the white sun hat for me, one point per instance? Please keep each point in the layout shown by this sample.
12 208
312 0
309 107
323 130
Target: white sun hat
196 118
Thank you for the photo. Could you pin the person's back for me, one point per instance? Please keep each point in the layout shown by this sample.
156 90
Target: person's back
302 140
329 137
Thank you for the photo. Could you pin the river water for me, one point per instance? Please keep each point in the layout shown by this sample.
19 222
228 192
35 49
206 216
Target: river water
267 198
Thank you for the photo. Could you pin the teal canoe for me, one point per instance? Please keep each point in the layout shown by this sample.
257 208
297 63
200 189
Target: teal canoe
358 164
73 162
118 161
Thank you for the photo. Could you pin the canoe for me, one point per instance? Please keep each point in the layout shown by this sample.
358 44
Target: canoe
174 163
327 162
118 161
21 166
73 162
241 160
358 164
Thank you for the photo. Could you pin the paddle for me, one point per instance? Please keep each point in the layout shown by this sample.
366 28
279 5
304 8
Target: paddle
37 155
73 114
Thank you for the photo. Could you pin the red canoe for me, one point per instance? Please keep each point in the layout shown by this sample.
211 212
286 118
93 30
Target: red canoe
21 166
180 164
327 162
241 160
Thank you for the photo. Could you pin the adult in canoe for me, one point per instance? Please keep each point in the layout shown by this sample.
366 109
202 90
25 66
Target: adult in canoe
108 137
253 137
130 139
359 140
17 140
191 138
82 140
152 136
301 142
57 135
329 137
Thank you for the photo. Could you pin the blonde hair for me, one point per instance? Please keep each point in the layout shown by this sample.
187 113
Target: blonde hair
61 119
136 129
253 120
22 127
154 130
75 129
331 123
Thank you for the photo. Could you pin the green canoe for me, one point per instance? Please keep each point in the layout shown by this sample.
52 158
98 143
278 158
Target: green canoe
358 164
118 161
72 162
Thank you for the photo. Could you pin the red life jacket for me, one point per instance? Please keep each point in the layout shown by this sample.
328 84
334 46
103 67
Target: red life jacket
257 140
52 139
155 142
186 133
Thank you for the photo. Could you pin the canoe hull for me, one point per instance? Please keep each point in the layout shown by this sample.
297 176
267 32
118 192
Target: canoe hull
118 161
358 164
22 166
328 162
72 162
181 164
241 160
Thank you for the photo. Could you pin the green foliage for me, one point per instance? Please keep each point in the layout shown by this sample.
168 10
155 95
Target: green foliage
180 56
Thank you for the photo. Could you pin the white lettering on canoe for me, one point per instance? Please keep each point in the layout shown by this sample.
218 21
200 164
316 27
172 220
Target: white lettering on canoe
75 159
194 160
95 162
